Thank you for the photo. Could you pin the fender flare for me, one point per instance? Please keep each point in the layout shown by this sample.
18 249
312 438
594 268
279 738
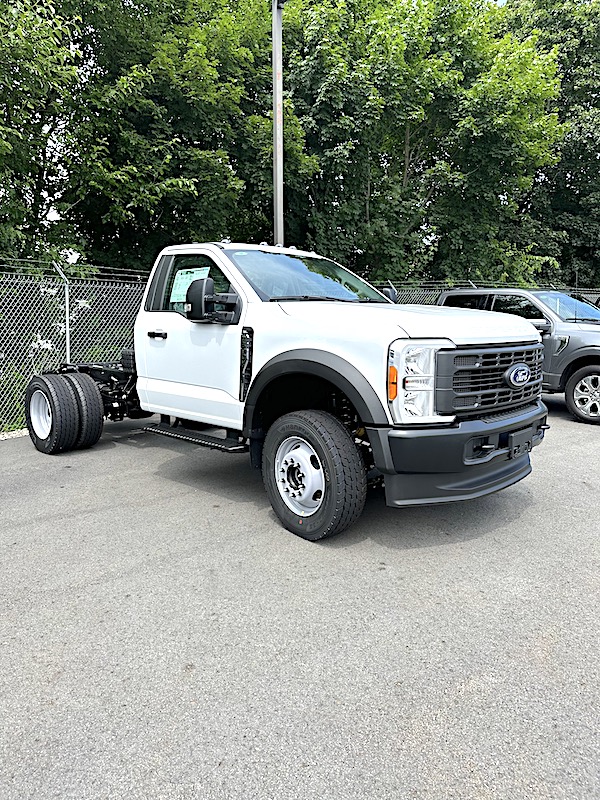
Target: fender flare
329 366
585 352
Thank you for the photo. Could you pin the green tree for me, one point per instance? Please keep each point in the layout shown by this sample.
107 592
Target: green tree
175 130
413 130
37 78
429 125
564 202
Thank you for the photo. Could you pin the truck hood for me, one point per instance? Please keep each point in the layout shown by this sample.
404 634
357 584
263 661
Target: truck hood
461 326
588 327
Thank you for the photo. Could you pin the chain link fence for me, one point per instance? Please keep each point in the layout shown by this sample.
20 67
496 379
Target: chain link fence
428 293
47 319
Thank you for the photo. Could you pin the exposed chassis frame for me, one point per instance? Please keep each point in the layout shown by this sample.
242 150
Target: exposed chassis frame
117 387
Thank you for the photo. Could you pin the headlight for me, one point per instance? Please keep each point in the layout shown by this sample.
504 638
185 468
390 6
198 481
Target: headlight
411 380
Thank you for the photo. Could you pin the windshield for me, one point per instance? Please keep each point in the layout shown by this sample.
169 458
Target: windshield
286 276
569 308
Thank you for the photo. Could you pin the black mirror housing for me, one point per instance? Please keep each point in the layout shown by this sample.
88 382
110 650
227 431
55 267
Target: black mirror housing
203 305
199 299
390 293
543 326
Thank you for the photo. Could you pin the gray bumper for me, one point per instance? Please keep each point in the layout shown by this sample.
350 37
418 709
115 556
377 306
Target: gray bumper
552 382
471 459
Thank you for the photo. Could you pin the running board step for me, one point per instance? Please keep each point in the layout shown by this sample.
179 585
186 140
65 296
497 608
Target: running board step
227 445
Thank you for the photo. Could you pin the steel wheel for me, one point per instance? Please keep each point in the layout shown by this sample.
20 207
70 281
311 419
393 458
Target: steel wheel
300 478
314 475
41 414
51 413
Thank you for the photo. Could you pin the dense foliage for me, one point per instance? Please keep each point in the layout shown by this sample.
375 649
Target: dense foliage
423 138
564 203
37 77
428 125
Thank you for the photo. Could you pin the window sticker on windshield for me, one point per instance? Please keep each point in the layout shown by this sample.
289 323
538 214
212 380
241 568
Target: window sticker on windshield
182 282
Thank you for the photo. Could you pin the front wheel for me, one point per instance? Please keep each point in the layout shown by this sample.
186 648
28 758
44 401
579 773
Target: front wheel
582 394
313 473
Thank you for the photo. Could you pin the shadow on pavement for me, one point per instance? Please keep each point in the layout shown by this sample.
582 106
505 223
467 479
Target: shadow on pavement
558 408
435 525
231 478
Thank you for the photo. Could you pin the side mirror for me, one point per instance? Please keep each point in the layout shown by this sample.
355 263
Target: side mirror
200 299
542 325
390 293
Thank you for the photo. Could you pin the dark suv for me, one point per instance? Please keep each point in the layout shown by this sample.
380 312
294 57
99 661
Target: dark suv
570 329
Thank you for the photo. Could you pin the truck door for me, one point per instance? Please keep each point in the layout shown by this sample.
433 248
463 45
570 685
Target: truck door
188 369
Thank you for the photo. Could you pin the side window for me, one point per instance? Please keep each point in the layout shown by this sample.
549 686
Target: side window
185 269
477 301
514 304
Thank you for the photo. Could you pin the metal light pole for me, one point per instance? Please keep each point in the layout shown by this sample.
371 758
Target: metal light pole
278 121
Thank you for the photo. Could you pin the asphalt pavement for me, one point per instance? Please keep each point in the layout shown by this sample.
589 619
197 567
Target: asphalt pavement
161 636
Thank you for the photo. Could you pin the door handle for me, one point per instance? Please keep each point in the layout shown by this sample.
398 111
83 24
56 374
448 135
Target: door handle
157 334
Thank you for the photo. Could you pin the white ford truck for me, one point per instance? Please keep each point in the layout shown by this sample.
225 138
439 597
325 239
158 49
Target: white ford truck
326 382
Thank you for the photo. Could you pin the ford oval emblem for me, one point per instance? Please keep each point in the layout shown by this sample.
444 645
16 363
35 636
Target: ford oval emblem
517 375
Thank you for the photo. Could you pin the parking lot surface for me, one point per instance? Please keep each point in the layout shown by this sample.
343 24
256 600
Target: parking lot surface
161 636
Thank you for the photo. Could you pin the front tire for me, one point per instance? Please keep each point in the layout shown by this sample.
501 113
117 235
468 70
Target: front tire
582 394
314 475
52 414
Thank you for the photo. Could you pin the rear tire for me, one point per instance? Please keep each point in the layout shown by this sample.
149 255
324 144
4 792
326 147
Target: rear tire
91 408
313 473
52 414
582 394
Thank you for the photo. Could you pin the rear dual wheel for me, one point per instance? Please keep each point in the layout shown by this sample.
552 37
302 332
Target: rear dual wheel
91 408
63 412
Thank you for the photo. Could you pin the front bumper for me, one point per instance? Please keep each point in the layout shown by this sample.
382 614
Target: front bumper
551 382
471 459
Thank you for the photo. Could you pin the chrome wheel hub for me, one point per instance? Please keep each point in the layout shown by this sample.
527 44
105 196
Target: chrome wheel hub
40 414
586 395
299 476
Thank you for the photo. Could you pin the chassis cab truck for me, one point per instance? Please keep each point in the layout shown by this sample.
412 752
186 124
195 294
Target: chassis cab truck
326 383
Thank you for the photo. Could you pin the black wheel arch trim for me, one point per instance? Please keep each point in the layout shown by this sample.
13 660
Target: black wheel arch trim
589 354
325 365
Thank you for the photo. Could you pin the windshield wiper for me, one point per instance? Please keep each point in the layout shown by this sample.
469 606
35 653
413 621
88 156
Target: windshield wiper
310 297
582 319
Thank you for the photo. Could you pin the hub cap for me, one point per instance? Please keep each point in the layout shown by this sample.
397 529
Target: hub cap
41 415
299 476
586 395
